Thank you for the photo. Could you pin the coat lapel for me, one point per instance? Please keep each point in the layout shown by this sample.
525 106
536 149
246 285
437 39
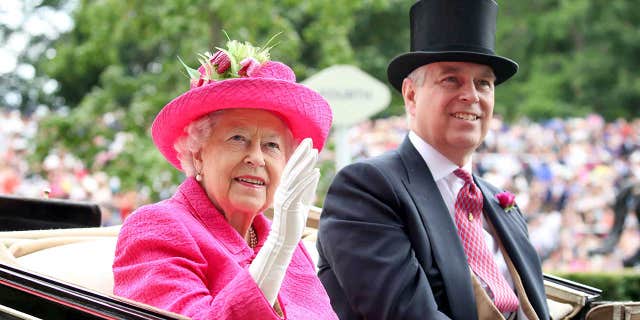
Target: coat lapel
445 243
509 228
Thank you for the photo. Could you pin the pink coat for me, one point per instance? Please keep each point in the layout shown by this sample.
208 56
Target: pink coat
181 255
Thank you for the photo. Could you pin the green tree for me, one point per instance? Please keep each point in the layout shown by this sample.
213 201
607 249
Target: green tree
117 68
575 57
22 86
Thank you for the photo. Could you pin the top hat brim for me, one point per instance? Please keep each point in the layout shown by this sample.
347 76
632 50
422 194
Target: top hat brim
400 67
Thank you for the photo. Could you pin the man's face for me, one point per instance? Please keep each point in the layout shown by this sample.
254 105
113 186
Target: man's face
452 108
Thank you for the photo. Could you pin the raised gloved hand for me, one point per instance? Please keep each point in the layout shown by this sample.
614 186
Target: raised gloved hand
291 207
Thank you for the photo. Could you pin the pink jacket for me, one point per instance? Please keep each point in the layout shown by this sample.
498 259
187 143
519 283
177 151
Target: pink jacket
181 255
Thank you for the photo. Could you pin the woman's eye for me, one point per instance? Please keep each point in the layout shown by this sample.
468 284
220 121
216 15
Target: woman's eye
237 137
273 145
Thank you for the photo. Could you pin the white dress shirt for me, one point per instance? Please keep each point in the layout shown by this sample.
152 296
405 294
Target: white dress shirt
449 185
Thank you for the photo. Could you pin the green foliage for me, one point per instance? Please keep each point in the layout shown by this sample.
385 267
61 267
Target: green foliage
118 66
574 58
22 86
615 286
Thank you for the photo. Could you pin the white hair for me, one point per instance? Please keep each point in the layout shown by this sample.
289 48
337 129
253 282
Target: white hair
199 131
196 134
417 75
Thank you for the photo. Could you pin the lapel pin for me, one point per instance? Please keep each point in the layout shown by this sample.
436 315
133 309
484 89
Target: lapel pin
507 200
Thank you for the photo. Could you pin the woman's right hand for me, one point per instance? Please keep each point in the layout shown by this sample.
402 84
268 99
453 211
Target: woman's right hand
291 206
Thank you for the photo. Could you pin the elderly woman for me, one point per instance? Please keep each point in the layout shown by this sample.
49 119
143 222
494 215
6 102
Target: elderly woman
208 252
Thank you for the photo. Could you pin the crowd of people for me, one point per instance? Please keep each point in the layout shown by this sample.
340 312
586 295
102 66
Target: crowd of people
565 174
61 174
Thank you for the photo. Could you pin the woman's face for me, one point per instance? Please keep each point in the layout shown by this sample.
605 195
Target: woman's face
243 159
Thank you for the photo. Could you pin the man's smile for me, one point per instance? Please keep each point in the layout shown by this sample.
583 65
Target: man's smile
466 116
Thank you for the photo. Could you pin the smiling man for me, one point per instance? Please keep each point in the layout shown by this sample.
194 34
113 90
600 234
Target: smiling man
413 234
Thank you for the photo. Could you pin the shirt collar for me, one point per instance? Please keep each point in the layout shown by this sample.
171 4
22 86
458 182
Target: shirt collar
440 166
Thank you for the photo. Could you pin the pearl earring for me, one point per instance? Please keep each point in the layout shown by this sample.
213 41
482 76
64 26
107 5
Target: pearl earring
198 177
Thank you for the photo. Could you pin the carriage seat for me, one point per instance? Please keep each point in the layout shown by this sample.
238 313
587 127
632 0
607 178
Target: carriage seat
84 256
81 256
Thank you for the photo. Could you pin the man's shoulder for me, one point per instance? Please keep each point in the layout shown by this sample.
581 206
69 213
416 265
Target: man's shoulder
371 174
386 161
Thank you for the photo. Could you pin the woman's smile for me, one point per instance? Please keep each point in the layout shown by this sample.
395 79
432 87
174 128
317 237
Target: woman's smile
251 182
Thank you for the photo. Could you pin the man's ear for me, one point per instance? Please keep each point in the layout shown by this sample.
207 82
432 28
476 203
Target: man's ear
409 95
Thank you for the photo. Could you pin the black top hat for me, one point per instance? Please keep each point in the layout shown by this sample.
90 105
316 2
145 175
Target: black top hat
452 30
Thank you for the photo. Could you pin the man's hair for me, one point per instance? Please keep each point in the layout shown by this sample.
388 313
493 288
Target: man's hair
417 76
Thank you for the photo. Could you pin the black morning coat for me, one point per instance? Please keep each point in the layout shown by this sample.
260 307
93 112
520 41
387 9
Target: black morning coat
389 248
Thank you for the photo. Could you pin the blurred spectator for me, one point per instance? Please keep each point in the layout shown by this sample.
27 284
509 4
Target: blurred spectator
565 174
62 173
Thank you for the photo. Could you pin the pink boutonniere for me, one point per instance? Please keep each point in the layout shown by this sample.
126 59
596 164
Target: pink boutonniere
507 200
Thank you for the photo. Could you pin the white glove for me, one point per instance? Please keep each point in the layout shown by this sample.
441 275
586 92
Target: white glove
291 207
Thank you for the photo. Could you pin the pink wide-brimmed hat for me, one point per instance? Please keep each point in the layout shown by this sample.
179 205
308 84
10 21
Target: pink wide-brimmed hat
242 76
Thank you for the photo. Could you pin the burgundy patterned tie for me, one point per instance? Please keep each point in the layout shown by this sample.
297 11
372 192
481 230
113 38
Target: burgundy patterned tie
469 221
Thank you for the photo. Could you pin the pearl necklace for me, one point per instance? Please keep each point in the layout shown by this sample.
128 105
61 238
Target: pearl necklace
253 238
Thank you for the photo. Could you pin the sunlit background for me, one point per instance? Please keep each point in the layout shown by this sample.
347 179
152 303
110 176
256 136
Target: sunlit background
82 80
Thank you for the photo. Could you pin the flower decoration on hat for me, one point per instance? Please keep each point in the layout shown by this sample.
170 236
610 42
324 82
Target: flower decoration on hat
239 59
507 200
